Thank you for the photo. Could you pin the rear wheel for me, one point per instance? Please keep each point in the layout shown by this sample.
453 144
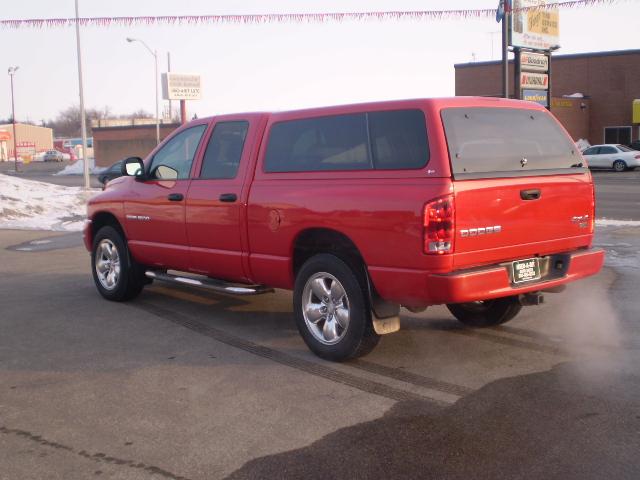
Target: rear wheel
486 313
116 275
619 166
331 309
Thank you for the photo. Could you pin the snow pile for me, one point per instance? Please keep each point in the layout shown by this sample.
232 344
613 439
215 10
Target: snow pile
610 222
30 205
77 168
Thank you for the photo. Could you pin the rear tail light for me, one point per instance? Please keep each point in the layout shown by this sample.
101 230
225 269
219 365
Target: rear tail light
439 225
637 157
593 208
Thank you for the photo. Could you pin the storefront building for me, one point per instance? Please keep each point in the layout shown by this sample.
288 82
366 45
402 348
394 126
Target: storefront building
30 139
592 94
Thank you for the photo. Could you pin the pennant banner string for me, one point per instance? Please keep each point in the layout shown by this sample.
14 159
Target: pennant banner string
282 17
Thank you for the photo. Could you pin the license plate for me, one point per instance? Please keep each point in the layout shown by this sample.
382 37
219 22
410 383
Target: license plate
526 270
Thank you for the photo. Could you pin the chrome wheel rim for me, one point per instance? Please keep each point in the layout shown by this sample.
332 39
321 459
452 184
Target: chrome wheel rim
107 264
325 307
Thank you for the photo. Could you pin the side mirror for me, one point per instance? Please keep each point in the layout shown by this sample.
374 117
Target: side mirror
133 167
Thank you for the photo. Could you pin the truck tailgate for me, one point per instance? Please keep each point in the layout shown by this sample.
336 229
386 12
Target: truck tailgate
537 214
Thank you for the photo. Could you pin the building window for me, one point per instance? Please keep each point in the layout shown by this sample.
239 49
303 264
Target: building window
621 135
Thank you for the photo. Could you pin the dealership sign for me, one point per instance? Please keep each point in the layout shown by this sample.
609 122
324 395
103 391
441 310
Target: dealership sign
534 62
180 86
535 81
534 27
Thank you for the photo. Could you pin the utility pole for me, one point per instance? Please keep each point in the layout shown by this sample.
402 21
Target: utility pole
83 118
169 71
12 72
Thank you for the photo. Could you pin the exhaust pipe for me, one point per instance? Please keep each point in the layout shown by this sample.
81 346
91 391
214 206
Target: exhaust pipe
533 298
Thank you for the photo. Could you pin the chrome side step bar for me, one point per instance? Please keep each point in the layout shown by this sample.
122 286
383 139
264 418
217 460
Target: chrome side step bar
210 283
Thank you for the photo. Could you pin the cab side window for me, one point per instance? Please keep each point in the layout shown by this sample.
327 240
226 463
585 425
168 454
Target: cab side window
224 151
173 161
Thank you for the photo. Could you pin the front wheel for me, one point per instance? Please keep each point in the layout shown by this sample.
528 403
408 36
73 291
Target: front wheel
116 275
331 309
486 313
619 166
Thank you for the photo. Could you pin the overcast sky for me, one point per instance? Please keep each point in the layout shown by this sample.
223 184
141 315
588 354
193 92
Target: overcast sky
267 67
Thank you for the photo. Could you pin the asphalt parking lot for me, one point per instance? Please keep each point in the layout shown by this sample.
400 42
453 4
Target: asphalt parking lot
618 194
46 172
189 384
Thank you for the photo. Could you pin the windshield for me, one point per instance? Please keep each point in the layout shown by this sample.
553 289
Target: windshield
493 142
624 148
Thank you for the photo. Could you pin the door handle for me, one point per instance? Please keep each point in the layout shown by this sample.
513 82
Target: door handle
228 197
533 194
175 197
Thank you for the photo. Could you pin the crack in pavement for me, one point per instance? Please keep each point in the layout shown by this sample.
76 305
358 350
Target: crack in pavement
96 457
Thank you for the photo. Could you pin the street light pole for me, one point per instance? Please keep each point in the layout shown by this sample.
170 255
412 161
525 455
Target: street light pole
83 118
12 72
155 81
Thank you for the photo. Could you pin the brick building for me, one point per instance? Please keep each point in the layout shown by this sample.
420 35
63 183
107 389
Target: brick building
609 81
115 140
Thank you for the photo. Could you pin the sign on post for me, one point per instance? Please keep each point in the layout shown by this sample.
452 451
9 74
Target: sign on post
538 96
181 86
534 28
534 62
535 81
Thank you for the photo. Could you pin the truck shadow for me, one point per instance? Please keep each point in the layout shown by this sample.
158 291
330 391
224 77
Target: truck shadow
577 420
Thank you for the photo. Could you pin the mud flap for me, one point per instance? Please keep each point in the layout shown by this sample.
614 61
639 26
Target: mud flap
385 316
383 326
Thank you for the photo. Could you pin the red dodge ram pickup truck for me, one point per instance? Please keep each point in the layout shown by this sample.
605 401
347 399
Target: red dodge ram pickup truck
482 204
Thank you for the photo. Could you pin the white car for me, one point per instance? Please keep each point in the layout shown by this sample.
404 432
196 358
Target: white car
618 157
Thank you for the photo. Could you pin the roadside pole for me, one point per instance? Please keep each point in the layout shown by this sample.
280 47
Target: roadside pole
183 111
155 81
83 119
169 71
12 72
505 53
517 71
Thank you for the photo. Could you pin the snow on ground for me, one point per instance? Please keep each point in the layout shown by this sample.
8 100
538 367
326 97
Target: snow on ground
77 168
31 205
610 222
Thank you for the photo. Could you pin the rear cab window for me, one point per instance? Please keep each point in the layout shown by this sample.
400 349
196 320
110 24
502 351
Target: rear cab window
384 140
487 142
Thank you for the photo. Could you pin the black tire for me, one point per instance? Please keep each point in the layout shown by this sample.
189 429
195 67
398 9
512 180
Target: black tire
131 278
359 337
487 313
619 166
